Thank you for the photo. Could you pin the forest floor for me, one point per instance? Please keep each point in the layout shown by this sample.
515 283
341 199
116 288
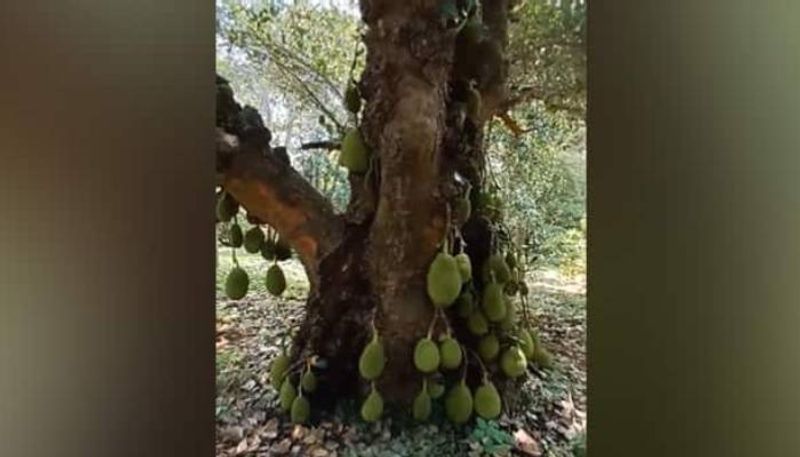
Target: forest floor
552 420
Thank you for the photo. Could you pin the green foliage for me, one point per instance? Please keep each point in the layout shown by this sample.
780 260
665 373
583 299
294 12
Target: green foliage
293 60
547 50
540 179
492 439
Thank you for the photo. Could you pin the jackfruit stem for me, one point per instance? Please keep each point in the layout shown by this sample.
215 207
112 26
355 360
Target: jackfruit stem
433 323
446 321
293 367
445 244
484 371
464 366
233 254
372 326
525 315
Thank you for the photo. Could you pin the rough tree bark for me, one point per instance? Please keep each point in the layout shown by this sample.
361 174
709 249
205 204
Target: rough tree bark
368 266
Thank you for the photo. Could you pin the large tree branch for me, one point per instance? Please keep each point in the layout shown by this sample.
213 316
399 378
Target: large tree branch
277 194
266 185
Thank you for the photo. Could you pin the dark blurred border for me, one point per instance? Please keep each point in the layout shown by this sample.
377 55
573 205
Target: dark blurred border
694 228
106 243
106 271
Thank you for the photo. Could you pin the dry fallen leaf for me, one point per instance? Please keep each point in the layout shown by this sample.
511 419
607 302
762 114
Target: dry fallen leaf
234 433
298 432
282 447
242 447
526 444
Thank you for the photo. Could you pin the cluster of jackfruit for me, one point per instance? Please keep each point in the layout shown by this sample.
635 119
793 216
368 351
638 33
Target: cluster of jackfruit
291 395
253 241
459 403
354 154
370 365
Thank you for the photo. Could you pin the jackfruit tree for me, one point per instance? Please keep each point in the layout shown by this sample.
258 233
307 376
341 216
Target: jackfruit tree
414 289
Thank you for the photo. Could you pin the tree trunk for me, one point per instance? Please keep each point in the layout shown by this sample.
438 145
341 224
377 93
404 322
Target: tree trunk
368 267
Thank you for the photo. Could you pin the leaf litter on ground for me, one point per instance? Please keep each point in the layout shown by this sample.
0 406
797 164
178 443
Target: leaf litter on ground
548 420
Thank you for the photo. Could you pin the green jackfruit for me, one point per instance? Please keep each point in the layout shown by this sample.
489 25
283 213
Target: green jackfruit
253 239
355 155
494 303
501 270
458 403
372 408
309 381
477 323
426 356
443 280
236 283
227 207
277 371
268 250
497 265
541 356
352 99
450 353
422 405
235 236
513 362
301 409
466 304
511 316
282 250
464 266
276 281
372 360
488 347
287 394
487 401
526 344
435 389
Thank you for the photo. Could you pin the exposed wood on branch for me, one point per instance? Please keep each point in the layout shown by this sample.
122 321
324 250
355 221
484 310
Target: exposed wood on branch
266 185
278 195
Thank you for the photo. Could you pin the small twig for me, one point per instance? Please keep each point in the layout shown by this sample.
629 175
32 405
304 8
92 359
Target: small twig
329 145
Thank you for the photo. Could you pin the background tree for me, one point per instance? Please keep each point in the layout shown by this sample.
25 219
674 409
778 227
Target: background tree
424 63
